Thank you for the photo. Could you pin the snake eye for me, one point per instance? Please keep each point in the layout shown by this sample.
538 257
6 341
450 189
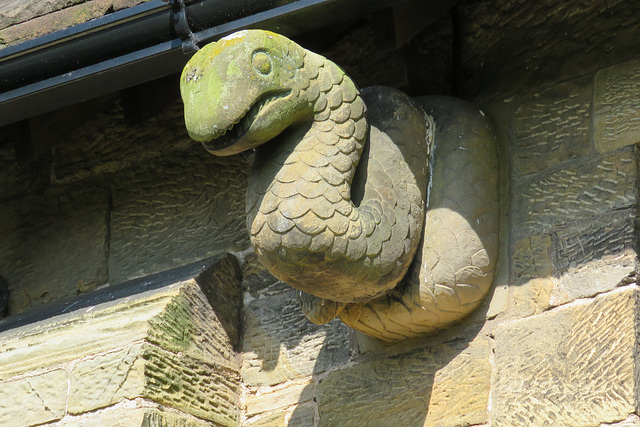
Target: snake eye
261 62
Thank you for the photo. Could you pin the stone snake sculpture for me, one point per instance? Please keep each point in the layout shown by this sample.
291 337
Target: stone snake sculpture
337 194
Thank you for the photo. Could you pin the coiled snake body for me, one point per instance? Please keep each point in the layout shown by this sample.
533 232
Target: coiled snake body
336 199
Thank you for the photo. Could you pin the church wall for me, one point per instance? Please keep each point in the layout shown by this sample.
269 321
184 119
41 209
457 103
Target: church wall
555 343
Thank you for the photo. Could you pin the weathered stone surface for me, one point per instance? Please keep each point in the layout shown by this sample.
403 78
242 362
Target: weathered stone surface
501 116
104 144
55 244
461 389
430 59
578 191
16 11
571 366
616 106
274 419
513 44
575 260
532 296
106 378
552 126
299 415
257 281
168 309
632 421
303 415
176 210
358 54
279 398
594 278
581 242
132 413
532 257
34 399
156 338
595 256
206 390
33 26
16 179
446 385
532 272
281 344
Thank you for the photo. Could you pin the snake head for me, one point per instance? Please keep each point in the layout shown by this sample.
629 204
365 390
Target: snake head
241 91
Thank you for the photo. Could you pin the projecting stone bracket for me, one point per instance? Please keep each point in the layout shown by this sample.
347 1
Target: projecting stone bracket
122 355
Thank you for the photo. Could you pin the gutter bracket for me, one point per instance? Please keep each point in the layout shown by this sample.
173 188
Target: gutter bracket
181 26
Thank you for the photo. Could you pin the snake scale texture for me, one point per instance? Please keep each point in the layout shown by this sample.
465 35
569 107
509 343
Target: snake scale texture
380 209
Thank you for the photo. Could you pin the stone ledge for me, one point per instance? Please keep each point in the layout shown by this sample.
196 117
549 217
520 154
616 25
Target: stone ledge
157 337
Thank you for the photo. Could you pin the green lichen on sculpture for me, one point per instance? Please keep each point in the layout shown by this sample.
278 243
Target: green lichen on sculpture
224 79
336 201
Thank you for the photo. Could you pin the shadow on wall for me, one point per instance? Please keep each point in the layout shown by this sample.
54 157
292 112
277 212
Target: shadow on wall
328 375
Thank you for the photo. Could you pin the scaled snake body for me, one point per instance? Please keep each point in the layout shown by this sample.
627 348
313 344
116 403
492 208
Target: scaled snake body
336 198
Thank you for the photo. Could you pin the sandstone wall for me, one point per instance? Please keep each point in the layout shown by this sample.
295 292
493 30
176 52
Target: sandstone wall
554 344
112 203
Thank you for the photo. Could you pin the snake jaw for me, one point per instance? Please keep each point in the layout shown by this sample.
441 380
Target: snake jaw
252 128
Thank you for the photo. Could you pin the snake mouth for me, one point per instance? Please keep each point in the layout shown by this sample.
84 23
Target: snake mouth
241 128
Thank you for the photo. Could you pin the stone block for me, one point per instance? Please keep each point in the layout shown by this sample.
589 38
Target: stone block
157 338
281 344
176 210
531 296
104 144
299 415
33 399
575 260
275 419
616 106
575 365
303 415
168 309
631 421
257 281
515 44
203 389
552 126
287 396
581 242
532 275
134 413
532 257
594 256
55 244
579 191
461 389
16 179
447 385
107 378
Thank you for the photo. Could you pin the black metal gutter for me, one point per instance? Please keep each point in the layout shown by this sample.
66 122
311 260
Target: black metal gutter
143 43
